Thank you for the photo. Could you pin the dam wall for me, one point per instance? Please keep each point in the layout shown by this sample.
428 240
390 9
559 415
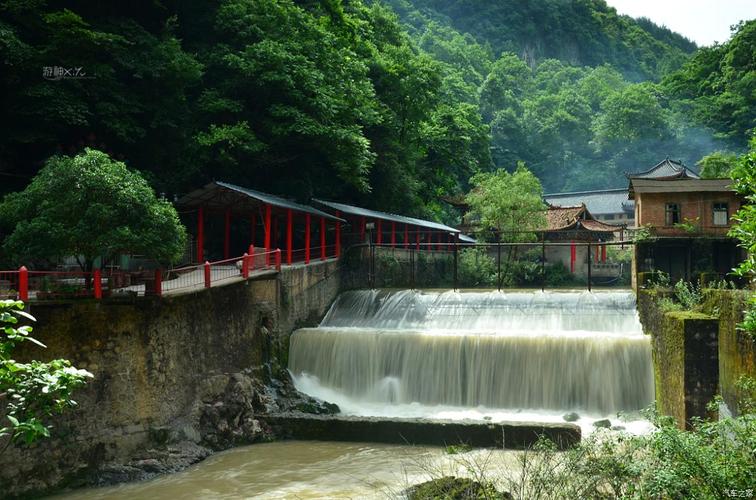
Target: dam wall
174 378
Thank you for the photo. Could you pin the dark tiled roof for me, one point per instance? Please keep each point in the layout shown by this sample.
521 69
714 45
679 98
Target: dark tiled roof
345 209
607 201
666 169
219 194
575 217
563 217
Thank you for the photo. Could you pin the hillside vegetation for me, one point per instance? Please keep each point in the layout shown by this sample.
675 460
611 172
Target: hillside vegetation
387 105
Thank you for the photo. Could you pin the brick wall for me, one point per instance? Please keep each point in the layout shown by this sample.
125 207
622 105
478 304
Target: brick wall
650 209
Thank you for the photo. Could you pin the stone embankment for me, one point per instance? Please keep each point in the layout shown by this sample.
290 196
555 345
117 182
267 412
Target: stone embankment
174 378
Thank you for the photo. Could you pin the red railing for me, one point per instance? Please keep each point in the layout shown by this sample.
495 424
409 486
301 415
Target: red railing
204 275
25 285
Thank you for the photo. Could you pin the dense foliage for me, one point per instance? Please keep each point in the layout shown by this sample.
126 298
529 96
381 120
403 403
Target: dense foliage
341 99
582 127
30 392
509 205
291 97
744 175
582 32
90 206
714 460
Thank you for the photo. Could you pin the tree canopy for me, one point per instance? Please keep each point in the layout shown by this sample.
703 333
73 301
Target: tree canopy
90 206
390 105
509 204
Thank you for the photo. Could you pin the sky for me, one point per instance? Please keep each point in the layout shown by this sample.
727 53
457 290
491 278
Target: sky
703 21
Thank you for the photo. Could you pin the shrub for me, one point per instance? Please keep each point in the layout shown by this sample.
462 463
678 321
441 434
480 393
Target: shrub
476 268
688 294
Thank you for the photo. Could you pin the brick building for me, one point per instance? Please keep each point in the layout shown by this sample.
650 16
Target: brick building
688 219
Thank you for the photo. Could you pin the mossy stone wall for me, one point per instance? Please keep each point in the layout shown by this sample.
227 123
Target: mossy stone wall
685 358
156 364
737 349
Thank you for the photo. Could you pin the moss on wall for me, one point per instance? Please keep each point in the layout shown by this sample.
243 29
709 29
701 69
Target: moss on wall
737 349
684 357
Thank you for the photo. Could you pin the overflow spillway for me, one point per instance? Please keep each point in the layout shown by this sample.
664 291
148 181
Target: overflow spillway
555 351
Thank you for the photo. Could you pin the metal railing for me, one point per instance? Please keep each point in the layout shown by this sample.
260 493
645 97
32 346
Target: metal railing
495 265
26 285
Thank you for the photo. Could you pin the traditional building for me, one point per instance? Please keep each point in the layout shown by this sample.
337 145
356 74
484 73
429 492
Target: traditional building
687 219
577 225
608 205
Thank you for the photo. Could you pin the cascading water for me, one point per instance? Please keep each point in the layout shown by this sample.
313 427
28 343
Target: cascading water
551 352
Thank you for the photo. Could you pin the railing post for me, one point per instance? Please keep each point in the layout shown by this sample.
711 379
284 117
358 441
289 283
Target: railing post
589 266
278 259
456 283
207 274
412 268
159 282
23 284
498 264
337 252
97 278
543 262
245 266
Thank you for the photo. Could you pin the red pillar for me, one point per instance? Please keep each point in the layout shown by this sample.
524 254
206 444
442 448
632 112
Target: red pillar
289 223
245 266
23 284
406 236
322 239
573 256
378 233
97 278
227 235
253 221
158 282
278 259
200 234
267 235
362 229
208 279
603 253
275 232
307 238
338 235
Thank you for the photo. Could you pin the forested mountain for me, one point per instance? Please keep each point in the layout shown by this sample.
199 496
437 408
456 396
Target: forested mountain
577 32
582 126
346 99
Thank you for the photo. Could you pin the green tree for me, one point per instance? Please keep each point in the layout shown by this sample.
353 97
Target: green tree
717 165
30 392
90 206
744 175
510 204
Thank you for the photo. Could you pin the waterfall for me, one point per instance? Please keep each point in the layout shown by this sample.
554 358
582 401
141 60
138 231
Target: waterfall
553 351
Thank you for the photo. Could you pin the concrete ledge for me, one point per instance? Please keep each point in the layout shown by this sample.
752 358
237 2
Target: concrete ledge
511 435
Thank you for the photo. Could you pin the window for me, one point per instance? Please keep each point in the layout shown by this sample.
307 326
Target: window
671 214
720 214
609 216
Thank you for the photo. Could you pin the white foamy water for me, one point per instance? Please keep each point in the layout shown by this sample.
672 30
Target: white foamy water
479 355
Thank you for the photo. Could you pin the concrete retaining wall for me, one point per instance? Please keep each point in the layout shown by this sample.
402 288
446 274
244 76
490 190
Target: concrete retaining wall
164 369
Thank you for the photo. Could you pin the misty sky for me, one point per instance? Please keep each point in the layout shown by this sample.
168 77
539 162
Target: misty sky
703 21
